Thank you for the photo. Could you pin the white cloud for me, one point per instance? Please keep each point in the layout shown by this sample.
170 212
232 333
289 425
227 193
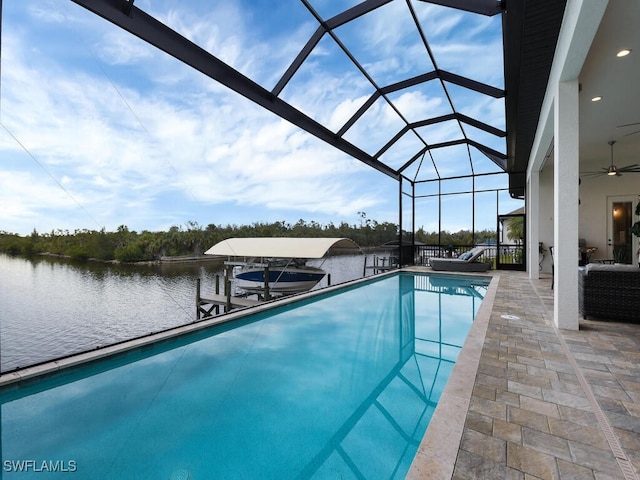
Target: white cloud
46 11
413 104
132 133
23 198
118 47
222 39
208 148
344 111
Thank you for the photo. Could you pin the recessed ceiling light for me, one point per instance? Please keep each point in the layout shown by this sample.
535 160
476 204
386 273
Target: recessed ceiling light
623 53
596 99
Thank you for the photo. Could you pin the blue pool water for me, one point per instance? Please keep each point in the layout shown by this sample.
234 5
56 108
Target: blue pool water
341 386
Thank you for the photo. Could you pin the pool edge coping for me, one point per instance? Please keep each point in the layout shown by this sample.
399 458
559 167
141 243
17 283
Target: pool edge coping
438 450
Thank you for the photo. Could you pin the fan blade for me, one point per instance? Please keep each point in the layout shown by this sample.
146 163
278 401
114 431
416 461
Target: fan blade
628 125
594 172
632 133
629 168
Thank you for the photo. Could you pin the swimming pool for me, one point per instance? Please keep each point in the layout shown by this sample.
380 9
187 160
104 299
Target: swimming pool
342 384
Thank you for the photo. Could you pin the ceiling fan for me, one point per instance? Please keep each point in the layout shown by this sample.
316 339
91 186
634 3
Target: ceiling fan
612 170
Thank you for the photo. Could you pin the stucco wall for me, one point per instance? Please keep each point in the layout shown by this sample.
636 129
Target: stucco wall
594 215
593 211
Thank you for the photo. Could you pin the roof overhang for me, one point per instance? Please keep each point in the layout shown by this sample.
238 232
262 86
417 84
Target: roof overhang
280 247
530 31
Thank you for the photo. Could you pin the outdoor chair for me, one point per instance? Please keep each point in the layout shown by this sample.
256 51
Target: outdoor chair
464 263
609 292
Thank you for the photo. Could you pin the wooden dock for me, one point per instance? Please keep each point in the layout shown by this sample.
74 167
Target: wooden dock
236 302
210 305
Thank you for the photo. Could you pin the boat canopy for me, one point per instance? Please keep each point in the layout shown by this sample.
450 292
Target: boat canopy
280 247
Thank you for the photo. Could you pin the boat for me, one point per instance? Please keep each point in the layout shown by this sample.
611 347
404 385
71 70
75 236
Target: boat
283 257
286 277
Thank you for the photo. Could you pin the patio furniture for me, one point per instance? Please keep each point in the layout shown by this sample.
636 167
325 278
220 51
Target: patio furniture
609 292
464 263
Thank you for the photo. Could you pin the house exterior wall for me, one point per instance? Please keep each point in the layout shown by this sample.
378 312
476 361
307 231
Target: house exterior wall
594 215
593 210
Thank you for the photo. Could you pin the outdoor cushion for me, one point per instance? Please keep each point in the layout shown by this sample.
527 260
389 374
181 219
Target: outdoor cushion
466 255
461 264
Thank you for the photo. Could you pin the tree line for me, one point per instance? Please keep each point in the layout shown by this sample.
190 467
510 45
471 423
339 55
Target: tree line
126 245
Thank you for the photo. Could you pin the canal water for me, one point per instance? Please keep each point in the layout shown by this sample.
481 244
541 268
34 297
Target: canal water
52 307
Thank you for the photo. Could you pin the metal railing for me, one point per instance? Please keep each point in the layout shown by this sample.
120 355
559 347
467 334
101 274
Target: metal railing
505 256
424 253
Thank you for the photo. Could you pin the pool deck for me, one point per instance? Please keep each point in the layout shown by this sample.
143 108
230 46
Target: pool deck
528 401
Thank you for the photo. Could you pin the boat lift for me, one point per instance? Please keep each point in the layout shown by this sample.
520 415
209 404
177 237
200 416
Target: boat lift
261 247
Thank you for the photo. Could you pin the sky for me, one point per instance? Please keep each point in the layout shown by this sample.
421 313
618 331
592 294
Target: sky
99 129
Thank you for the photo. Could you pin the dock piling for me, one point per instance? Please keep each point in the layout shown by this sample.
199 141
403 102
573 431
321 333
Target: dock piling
228 301
217 292
198 299
267 294
227 287
201 311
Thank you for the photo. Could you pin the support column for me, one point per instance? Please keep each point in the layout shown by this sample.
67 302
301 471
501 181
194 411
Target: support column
565 205
533 224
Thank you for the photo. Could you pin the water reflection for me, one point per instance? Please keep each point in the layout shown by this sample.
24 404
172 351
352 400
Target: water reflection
52 307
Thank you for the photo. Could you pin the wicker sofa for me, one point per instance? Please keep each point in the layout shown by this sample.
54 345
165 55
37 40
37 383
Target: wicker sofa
609 292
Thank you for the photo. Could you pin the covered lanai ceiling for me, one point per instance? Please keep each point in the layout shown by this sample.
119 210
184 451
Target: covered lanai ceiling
410 99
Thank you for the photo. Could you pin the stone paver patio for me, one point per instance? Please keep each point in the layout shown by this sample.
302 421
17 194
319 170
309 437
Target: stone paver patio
538 402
